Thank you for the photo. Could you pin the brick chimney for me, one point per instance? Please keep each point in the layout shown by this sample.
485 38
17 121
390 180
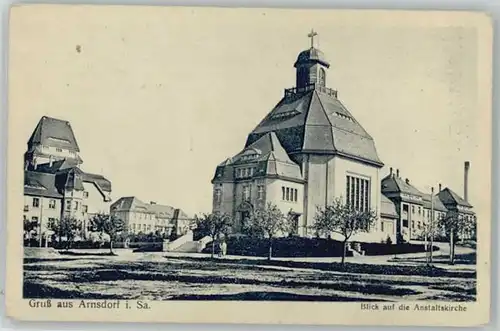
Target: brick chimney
439 187
466 180
397 173
390 172
407 181
152 202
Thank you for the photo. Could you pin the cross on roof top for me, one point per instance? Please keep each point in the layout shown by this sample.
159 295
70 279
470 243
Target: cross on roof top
311 35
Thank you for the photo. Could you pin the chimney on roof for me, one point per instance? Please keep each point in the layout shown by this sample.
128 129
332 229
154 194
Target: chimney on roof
390 172
397 173
407 181
466 180
439 187
152 202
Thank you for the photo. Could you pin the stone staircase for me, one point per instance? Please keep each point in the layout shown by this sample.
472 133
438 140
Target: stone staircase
354 249
186 244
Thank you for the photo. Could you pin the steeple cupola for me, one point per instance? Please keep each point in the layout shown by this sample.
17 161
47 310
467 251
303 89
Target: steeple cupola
311 66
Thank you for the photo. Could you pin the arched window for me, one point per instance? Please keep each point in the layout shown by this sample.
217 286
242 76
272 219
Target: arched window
322 77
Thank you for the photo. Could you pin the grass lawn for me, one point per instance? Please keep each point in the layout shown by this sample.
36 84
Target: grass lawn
152 276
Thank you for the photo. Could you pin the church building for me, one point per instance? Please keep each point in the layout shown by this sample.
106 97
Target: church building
308 151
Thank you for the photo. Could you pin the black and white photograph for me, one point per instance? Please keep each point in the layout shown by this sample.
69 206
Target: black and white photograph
257 155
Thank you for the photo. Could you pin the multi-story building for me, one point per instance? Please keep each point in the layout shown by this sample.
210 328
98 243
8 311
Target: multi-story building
309 150
150 217
54 185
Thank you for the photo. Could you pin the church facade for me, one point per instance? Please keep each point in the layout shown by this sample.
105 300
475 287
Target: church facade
308 151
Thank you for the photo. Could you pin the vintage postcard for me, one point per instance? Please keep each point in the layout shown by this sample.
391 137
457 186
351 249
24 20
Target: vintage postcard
210 165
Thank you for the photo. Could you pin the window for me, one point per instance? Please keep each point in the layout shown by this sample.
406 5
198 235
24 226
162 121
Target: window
218 196
287 194
260 192
413 209
34 219
85 208
419 210
358 193
413 224
283 193
76 205
382 226
36 202
68 205
246 193
322 77
52 204
59 150
295 195
85 194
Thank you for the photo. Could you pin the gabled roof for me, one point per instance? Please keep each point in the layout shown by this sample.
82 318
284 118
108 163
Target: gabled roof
129 204
317 122
448 197
270 158
438 204
132 203
387 208
40 184
394 184
54 132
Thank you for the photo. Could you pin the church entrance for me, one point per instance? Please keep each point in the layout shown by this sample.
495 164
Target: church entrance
245 210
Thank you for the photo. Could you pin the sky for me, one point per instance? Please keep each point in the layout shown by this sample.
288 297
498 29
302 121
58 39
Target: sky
157 98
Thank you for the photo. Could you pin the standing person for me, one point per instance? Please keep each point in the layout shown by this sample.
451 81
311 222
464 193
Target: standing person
224 248
219 244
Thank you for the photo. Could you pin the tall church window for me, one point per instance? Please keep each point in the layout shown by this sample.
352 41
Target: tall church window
287 194
218 196
322 77
283 193
246 193
358 193
260 192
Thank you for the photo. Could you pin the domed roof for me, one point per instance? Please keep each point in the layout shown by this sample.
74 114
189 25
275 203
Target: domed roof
312 55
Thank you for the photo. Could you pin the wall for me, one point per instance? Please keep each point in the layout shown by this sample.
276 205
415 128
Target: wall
95 201
327 180
43 212
274 195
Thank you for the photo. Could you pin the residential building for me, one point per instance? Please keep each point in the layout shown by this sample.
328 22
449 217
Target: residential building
141 217
54 184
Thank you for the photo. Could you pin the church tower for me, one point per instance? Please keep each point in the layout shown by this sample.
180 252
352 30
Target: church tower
311 66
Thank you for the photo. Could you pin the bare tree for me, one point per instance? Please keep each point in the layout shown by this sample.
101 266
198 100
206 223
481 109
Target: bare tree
111 225
343 219
454 224
214 225
269 221
29 226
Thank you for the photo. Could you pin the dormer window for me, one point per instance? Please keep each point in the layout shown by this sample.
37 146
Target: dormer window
286 114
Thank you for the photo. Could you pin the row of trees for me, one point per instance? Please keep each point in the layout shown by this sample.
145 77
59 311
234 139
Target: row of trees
338 217
269 222
452 227
70 228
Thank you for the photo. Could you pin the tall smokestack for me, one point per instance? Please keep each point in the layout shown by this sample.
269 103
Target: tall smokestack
466 180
